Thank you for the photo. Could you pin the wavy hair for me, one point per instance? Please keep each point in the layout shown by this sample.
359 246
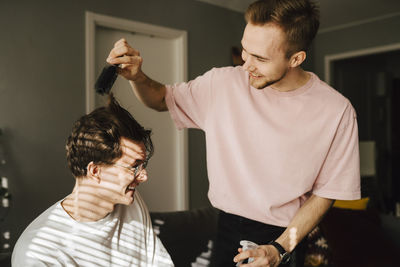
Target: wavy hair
96 137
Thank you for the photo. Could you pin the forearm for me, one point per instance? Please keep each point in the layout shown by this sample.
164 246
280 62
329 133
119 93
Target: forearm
308 216
149 92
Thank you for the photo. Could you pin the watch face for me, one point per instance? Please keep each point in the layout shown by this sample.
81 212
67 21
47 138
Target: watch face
285 257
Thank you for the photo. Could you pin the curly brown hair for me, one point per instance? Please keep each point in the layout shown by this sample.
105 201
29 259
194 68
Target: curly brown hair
96 137
299 20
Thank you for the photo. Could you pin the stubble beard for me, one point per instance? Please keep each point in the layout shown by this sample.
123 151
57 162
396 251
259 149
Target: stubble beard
262 83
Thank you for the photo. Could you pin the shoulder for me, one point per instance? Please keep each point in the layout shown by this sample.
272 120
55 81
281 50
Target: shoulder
26 251
330 97
224 73
54 212
229 71
227 77
51 216
327 90
222 77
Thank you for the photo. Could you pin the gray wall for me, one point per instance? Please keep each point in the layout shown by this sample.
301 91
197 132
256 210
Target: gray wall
367 35
42 79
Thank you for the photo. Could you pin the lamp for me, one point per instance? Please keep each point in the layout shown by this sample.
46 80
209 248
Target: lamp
367 158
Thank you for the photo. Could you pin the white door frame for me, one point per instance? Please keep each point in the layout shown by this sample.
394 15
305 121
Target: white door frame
355 53
180 37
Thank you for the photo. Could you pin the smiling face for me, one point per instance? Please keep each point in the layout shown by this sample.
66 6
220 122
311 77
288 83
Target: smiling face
264 51
117 182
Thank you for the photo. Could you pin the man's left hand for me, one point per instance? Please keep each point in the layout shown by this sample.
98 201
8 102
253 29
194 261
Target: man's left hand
264 256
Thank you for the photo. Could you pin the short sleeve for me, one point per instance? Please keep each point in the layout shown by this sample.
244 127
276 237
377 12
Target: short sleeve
24 255
339 177
188 103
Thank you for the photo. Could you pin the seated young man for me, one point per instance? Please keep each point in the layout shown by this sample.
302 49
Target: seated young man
104 221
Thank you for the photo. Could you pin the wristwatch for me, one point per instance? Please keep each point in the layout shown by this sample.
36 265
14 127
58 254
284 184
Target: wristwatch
285 256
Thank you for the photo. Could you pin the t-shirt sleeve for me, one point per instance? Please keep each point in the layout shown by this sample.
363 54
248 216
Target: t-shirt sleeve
188 103
23 255
339 177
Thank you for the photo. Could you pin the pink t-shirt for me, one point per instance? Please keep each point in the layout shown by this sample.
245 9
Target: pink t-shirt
267 151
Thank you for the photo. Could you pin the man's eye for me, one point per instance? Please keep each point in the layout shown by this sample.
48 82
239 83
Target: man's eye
137 163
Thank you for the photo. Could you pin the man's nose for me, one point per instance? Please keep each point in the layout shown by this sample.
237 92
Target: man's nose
142 177
247 65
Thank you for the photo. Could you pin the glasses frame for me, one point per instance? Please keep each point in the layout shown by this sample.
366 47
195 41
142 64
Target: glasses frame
135 170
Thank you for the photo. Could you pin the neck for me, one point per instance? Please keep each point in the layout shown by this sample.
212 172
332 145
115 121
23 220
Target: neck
84 203
294 79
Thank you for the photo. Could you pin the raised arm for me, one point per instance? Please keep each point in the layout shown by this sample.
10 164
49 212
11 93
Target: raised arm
149 92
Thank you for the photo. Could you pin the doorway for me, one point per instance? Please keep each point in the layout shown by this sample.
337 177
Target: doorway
164 54
372 83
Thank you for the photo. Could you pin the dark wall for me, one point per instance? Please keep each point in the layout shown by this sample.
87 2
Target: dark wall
42 87
367 35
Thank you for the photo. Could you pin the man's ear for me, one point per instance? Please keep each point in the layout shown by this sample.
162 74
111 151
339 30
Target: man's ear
297 58
93 171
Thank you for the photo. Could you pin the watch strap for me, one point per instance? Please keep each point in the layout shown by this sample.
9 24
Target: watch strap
285 256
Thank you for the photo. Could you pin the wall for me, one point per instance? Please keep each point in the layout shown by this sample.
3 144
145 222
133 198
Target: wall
363 36
42 79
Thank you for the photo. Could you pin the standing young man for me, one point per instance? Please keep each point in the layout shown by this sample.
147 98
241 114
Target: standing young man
103 222
281 144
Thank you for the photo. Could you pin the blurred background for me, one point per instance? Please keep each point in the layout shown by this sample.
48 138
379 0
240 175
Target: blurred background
46 74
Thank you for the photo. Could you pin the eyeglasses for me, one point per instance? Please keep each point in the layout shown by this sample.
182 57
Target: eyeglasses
135 170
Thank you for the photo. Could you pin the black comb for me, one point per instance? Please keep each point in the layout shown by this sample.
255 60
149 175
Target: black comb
106 79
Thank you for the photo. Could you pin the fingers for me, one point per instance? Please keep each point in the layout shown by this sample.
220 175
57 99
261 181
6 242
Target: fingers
123 43
259 255
132 60
120 42
122 48
244 255
127 58
123 51
129 67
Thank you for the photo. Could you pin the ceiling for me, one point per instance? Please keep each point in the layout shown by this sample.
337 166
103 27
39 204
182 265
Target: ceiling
334 13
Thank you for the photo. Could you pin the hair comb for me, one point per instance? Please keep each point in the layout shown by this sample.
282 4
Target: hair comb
106 79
